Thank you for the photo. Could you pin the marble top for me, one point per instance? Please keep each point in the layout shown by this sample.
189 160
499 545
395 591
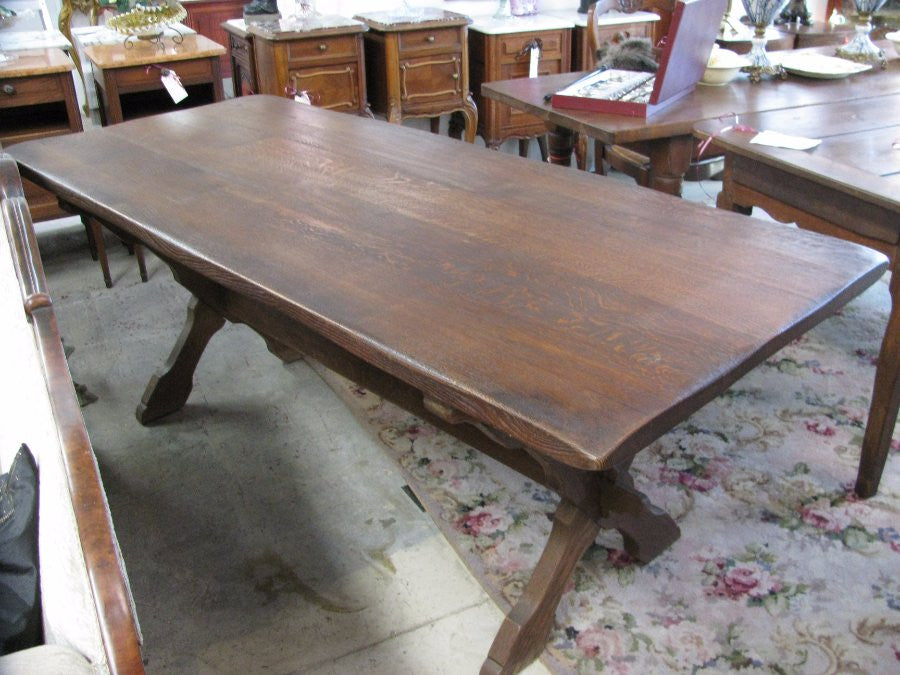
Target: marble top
14 40
290 27
412 19
611 18
519 24
144 53
36 62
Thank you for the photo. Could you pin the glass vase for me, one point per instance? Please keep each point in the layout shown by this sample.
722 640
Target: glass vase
761 13
861 48
504 11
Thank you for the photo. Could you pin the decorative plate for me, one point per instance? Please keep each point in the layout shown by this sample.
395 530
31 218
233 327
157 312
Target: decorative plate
821 67
146 20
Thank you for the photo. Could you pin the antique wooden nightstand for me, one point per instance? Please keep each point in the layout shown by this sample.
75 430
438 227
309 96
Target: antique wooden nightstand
128 77
37 99
323 58
418 66
500 49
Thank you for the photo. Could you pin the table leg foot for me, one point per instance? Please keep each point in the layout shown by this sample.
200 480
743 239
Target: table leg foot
560 143
885 402
646 529
142 263
524 632
470 113
95 232
590 500
170 387
670 158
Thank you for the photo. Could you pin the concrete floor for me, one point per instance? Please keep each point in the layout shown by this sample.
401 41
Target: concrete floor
262 527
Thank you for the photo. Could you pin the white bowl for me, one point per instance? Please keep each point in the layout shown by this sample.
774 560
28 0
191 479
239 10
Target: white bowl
895 38
718 76
723 66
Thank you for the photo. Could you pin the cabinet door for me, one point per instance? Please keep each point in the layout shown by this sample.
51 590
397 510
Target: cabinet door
430 80
333 87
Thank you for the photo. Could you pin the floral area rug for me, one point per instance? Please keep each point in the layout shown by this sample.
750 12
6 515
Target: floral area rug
778 569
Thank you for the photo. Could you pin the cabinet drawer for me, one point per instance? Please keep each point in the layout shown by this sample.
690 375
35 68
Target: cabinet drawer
443 39
429 79
511 46
338 47
18 91
333 87
509 71
143 77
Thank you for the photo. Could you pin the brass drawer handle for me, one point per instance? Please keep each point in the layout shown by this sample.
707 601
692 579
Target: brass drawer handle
323 47
430 38
9 89
455 76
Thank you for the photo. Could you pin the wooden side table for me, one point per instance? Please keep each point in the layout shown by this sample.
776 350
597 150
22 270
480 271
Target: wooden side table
37 99
242 57
418 66
128 77
206 17
326 61
500 49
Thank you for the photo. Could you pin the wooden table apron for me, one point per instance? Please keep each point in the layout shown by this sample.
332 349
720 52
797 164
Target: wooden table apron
848 187
668 133
484 292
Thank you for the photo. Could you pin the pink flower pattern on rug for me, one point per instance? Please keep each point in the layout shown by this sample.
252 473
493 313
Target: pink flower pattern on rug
779 567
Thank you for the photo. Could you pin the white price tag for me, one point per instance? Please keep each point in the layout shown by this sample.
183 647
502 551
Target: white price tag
533 63
173 85
302 97
777 139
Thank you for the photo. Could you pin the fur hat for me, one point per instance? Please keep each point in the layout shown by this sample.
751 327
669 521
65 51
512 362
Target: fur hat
630 54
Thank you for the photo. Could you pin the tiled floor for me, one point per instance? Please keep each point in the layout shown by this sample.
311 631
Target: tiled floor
263 529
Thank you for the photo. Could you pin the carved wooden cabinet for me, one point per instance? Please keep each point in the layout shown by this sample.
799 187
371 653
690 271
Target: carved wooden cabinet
419 66
206 17
242 57
37 99
501 50
326 62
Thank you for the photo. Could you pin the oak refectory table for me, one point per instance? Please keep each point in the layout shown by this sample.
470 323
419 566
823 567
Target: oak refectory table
847 187
491 295
668 134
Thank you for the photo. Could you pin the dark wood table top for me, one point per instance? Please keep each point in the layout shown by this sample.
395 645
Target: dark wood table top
581 316
857 153
741 97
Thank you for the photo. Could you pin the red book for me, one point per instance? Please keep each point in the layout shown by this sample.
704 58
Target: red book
692 32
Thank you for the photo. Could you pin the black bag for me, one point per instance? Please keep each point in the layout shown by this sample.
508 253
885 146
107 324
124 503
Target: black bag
20 609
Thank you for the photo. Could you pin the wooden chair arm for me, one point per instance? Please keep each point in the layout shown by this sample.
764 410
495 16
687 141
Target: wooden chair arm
111 597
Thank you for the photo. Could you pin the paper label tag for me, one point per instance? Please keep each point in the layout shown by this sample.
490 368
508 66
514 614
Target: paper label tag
776 139
533 63
302 97
173 85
